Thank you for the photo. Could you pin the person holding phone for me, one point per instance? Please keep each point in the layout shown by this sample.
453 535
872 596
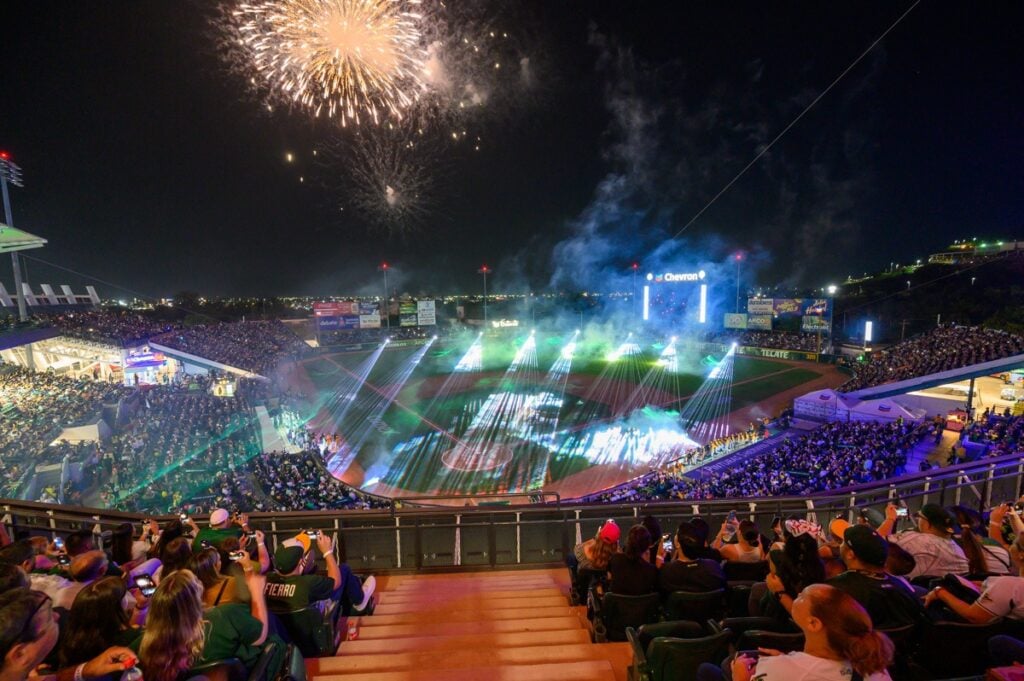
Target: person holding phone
932 546
840 643
97 620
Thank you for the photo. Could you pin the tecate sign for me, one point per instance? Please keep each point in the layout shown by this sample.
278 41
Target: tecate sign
672 277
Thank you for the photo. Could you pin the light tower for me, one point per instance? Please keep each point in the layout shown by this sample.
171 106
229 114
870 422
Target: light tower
485 270
13 240
383 267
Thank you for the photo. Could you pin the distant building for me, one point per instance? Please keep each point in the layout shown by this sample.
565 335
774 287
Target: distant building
971 251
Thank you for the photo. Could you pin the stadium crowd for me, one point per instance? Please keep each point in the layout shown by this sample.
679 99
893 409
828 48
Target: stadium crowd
833 456
1000 435
299 482
120 327
946 347
776 340
257 346
160 603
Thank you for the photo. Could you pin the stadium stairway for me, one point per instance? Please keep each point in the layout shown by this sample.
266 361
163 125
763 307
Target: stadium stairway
497 626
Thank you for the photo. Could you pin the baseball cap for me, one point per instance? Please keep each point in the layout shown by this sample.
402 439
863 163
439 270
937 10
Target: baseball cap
838 527
874 517
938 517
609 532
219 516
301 540
287 558
867 545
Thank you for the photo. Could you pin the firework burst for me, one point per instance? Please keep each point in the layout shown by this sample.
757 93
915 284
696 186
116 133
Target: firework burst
354 60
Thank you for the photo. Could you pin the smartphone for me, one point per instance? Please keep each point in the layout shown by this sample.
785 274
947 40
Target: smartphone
58 544
183 516
64 559
732 517
666 543
901 512
205 544
250 536
238 555
313 533
146 585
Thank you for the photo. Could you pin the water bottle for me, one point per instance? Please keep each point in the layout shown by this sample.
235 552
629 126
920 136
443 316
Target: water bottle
353 631
133 674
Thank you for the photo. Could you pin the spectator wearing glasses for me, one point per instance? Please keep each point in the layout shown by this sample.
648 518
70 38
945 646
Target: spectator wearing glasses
29 632
932 546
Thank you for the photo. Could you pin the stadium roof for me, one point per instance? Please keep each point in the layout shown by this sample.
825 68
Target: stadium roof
12 239
996 366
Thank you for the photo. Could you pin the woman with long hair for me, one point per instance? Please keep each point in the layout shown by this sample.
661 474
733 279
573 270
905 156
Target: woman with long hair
217 587
790 570
984 556
595 553
839 643
176 555
175 632
96 621
171 531
631 573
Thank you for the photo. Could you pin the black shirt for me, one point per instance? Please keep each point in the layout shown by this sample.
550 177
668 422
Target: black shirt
697 576
632 577
887 599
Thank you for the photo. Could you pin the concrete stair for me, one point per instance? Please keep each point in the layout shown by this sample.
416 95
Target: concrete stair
496 626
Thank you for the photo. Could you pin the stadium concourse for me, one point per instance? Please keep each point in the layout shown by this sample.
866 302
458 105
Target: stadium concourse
278 597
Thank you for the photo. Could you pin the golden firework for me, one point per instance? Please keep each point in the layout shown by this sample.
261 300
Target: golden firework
349 59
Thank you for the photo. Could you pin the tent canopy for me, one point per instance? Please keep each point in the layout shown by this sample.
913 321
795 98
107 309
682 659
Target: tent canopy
12 239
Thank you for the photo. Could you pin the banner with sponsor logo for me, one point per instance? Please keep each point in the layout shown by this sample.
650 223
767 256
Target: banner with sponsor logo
816 307
759 306
759 322
426 312
777 354
787 306
369 308
814 324
369 321
337 323
408 319
735 321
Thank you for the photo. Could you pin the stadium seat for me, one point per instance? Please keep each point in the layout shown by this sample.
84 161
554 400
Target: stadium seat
676 629
745 572
787 642
737 597
312 633
614 612
227 669
952 649
740 625
695 606
675 659
262 671
294 666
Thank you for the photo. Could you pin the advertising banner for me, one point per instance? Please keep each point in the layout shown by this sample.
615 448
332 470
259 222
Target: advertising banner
426 313
759 306
369 321
339 309
815 306
407 319
759 322
814 324
735 321
787 306
369 309
328 323
778 354
408 307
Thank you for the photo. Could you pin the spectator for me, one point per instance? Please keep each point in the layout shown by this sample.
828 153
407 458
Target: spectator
289 588
631 573
595 553
932 546
747 548
688 571
1001 596
97 620
85 569
28 633
79 542
700 526
176 556
222 526
984 556
840 643
217 588
655 555
791 570
889 601
179 634
12 577
171 531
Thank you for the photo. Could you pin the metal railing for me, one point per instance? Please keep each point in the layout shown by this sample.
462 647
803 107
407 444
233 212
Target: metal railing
409 538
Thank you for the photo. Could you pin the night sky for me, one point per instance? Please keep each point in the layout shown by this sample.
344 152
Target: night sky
149 164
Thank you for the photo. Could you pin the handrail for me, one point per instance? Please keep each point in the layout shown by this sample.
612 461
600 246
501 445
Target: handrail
457 537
